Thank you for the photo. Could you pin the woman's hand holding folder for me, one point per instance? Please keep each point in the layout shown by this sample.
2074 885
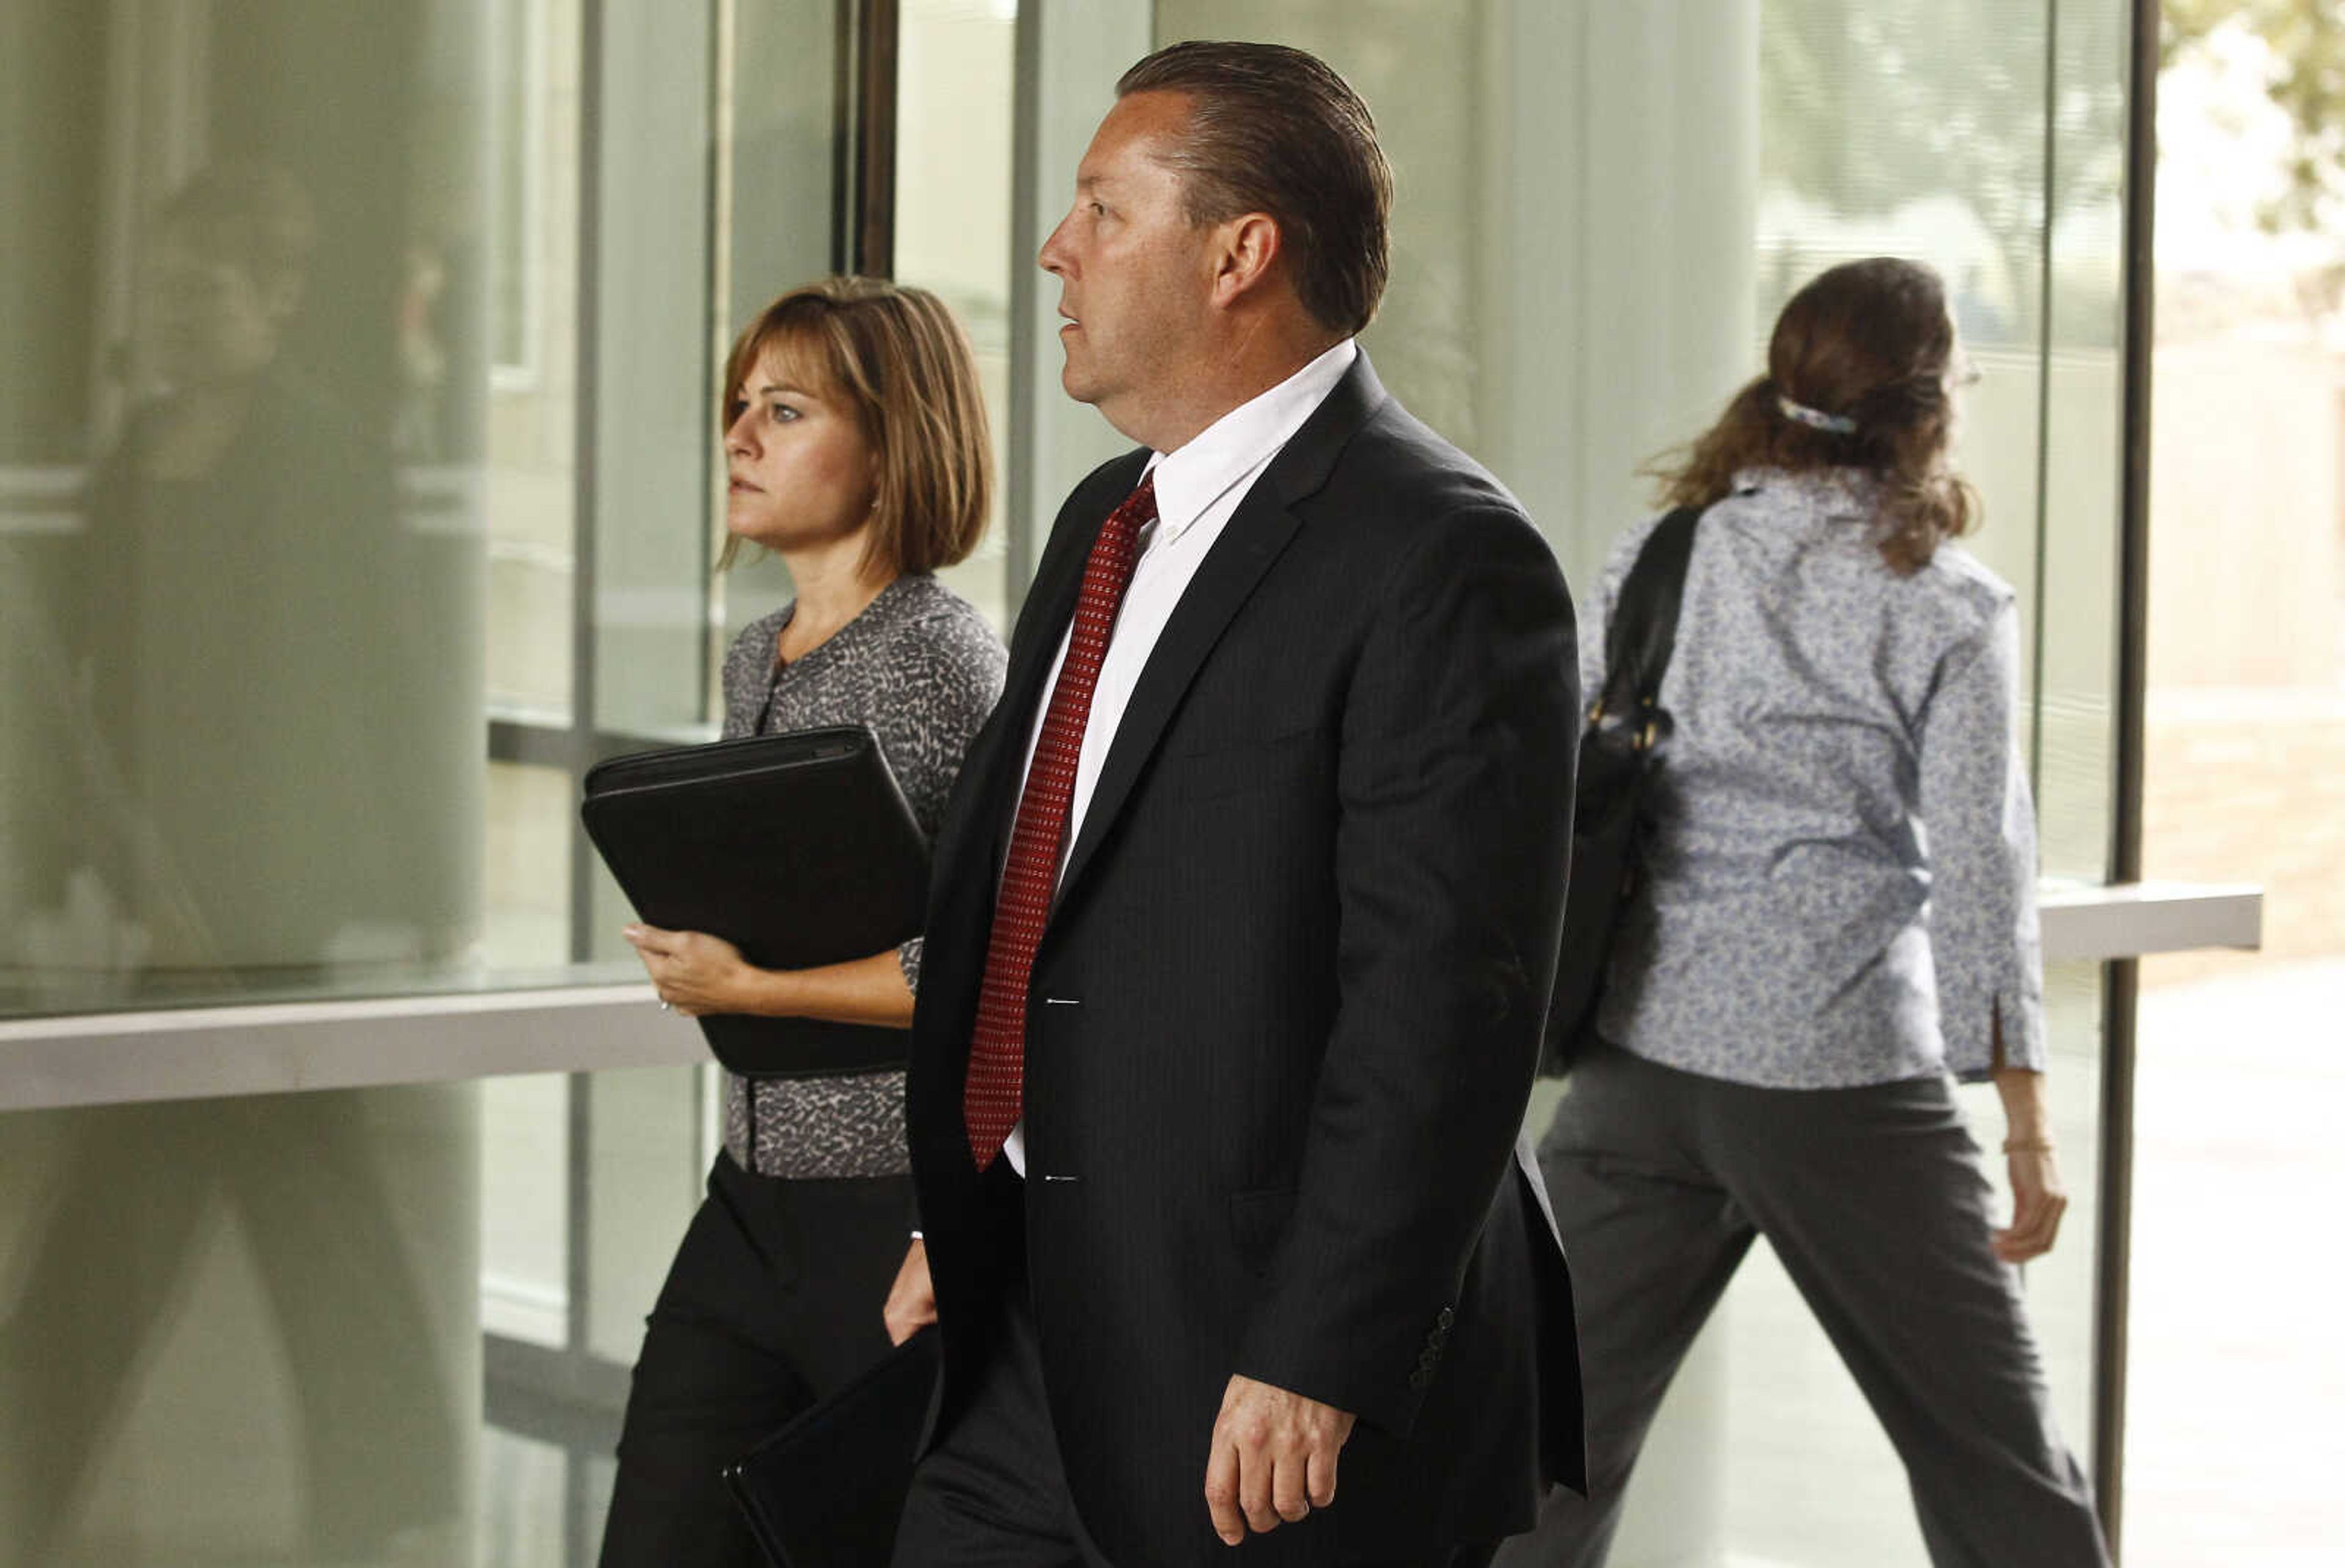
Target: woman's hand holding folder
697 974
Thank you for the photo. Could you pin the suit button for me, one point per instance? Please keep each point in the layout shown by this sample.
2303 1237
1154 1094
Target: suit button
1429 1360
1420 1380
1447 1318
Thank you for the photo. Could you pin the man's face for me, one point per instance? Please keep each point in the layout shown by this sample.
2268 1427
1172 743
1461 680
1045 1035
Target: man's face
1134 275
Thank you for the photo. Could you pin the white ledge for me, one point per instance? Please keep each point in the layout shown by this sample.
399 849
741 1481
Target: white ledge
109 1058
2135 919
188 1053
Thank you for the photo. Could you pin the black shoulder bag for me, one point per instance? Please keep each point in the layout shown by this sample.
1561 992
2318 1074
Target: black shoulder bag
1617 764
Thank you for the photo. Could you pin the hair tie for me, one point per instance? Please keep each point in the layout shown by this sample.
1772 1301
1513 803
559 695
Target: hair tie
1815 418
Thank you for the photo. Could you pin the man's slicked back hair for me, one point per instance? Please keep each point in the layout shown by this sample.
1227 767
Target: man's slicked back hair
1275 130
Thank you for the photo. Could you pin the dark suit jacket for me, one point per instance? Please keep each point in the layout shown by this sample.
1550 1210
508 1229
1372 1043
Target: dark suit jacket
1283 1025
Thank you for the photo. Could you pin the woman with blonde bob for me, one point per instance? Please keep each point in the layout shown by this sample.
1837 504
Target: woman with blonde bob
1836 918
855 448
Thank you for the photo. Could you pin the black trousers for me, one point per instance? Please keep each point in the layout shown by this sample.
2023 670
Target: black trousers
1878 1204
773 1302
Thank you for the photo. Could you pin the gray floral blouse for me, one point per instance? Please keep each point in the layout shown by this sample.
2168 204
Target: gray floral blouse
921 667
1842 884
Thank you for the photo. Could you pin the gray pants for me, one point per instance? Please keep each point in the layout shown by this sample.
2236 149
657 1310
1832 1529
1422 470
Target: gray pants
1877 1202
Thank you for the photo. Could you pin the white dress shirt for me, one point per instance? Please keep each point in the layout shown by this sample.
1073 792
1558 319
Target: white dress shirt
1198 488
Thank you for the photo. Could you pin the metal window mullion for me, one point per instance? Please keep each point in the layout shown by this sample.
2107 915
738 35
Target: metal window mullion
878 44
717 242
2043 313
843 136
578 1529
585 458
2120 992
1025 307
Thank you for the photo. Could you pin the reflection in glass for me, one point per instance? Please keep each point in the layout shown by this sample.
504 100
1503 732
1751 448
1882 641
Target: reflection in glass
241 688
271 689
239 1330
243 672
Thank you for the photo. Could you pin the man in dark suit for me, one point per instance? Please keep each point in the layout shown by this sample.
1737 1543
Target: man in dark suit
1245 914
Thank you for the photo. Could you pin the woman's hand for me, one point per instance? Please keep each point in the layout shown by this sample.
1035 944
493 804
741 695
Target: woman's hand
912 1300
694 972
2038 1200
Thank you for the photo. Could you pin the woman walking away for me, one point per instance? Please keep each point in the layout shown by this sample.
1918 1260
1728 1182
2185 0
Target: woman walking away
1836 918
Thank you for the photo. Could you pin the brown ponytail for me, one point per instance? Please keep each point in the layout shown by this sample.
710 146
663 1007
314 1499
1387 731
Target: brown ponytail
1866 348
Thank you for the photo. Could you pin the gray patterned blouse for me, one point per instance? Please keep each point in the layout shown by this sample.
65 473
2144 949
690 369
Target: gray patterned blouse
921 668
1841 887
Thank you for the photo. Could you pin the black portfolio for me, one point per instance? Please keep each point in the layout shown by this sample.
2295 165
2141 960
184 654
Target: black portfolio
797 848
825 1491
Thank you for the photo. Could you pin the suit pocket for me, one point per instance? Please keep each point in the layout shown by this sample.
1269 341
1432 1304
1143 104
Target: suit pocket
1258 1221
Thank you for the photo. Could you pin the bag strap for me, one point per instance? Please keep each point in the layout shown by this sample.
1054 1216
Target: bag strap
1644 629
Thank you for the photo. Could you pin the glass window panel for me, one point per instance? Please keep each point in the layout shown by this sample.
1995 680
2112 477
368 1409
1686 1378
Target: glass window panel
953 167
518 85
522 1488
2236 1160
651 463
2075 607
528 850
525 1156
643 1180
297 1272
782 87
290 472
252 653
532 416
290 505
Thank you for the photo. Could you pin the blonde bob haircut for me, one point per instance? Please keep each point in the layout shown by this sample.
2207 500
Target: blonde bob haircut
897 357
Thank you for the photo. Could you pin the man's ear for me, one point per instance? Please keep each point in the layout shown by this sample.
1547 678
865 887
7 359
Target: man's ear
1246 252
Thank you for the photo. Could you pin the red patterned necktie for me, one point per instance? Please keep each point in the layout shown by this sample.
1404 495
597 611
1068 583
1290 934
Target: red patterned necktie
995 1095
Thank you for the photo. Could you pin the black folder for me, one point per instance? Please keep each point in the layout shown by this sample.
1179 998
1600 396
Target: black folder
827 1490
796 848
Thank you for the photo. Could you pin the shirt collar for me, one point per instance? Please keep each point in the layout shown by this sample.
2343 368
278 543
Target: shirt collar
1827 492
1189 480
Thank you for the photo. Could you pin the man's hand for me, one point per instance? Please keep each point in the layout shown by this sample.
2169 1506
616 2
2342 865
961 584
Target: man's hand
1273 1458
912 1298
693 972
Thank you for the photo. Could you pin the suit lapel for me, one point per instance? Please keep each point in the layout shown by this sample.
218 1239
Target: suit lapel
1042 623
1059 578
1255 534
